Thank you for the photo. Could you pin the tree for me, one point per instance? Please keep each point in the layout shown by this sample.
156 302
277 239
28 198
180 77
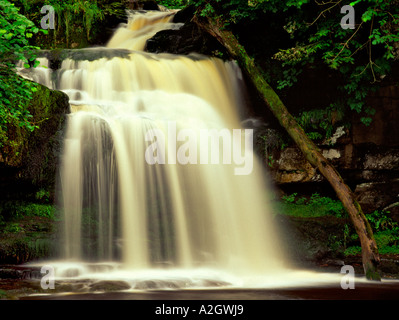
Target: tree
15 92
216 24
361 58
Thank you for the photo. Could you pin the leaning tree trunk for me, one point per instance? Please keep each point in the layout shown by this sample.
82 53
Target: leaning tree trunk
370 256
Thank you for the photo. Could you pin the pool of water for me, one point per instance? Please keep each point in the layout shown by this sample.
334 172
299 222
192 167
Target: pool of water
107 281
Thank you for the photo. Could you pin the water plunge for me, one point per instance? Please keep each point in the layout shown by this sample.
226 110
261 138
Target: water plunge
117 206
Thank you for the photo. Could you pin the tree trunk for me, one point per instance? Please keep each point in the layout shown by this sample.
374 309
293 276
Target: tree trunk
370 256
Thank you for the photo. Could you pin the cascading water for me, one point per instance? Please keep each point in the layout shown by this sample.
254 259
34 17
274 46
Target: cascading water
162 216
159 185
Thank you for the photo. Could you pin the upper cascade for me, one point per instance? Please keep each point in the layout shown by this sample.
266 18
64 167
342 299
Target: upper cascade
140 27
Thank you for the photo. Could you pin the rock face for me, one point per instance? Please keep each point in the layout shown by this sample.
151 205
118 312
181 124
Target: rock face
27 181
188 39
366 157
371 171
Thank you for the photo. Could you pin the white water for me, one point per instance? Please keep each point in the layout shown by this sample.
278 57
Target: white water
186 224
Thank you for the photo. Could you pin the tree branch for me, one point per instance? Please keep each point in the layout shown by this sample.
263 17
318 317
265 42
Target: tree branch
324 11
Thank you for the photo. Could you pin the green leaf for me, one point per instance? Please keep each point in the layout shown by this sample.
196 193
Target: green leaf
366 121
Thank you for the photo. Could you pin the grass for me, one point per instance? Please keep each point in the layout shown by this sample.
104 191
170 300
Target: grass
386 231
313 207
26 230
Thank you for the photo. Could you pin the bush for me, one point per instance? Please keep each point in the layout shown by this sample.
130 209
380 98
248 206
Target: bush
15 92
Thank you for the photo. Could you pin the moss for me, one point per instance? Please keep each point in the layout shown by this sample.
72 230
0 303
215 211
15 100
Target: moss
48 109
36 157
371 272
27 231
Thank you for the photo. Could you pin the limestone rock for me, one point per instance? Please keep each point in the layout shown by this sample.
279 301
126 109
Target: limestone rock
377 195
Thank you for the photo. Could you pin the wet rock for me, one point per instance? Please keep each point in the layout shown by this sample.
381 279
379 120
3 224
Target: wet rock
161 284
56 56
213 283
388 160
390 265
378 195
150 5
109 286
185 15
19 272
188 39
312 241
291 167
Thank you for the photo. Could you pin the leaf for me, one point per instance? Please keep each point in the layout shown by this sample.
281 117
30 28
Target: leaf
367 15
355 3
366 121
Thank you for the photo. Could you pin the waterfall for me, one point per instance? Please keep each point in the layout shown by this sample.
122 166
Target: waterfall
118 206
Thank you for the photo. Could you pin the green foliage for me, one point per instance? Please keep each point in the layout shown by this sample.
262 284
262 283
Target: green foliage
386 231
313 206
15 92
319 123
10 211
43 195
174 4
15 32
386 234
3 294
37 210
359 59
380 221
73 13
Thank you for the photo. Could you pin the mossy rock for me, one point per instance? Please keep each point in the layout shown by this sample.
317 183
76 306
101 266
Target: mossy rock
30 164
49 109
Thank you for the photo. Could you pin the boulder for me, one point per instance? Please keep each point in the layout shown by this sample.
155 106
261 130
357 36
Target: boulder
33 161
188 39
379 196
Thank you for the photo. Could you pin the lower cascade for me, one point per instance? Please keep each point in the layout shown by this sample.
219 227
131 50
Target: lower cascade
158 178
